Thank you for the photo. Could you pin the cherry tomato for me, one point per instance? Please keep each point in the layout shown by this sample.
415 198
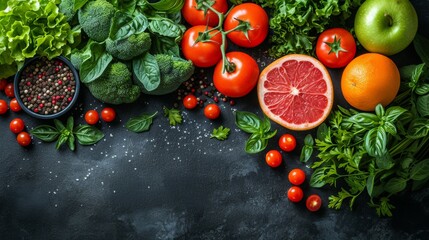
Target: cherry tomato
239 78
273 158
199 14
335 47
8 90
16 125
212 111
14 105
250 18
91 117
190 101
313 203
108 114
3 83
23 139
295 194
296 176
3 107
206 51
287 142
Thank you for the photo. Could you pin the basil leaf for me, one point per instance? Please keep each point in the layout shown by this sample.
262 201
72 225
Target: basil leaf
393 113
71 142
418 128
390 128
168 5
370 184
70 124
88 135
307 150
265 125
420 44
255 143
45 133
247 122
416 75
420 171
423 89
62 139
322 132
269 134
395 185
384 162
406 72
317 179
376 141
147 71
364 120
422 105
141 123
59 125
379 110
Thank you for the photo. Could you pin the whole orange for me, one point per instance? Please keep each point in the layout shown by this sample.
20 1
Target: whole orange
370 79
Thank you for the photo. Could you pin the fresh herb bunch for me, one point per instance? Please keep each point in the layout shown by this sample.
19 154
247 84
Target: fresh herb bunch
84 134
260 130
383 153
295 25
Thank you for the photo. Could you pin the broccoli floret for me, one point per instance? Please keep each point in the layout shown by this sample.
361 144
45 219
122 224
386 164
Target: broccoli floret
115 85
95 18
66 7
174 71
127 49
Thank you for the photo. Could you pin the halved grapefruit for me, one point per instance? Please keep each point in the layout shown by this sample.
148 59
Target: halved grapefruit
296 92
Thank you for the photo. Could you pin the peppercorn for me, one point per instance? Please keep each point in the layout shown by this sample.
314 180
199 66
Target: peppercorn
42 86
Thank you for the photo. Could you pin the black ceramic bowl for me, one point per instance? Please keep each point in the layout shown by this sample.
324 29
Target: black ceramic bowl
49 100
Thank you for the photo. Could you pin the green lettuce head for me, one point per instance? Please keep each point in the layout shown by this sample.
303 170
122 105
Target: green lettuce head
29 28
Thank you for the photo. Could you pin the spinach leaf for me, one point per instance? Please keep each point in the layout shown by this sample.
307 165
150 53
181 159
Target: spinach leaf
141 123
93 67
166 45
147 71
166 27
124 25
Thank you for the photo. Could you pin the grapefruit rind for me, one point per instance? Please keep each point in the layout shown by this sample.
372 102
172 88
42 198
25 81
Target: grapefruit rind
291 97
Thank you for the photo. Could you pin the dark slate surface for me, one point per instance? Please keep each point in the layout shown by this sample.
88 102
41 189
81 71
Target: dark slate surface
177 183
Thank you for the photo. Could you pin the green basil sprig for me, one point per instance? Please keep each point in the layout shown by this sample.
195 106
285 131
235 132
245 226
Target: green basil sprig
260 130
67 134
141 123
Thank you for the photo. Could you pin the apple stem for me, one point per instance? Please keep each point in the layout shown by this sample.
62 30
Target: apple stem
389 19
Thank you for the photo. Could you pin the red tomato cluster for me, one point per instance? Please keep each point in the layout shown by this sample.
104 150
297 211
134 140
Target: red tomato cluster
211 111
296 176
17 125
246 25
92 117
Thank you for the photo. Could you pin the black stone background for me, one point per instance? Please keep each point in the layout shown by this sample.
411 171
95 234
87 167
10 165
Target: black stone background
177 183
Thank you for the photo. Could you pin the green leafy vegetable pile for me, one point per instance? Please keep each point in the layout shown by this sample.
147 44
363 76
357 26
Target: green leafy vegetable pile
140 35
32 27
383 153
295 25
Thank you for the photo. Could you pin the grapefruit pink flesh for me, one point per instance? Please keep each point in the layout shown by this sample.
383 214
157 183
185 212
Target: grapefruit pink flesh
296 91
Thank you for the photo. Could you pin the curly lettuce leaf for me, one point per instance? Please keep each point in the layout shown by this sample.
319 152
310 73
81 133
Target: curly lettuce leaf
30 28
295 25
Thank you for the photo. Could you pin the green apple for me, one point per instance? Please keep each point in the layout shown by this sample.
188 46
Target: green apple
386 26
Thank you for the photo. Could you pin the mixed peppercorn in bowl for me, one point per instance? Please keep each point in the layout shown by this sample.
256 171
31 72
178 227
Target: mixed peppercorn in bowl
47 89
